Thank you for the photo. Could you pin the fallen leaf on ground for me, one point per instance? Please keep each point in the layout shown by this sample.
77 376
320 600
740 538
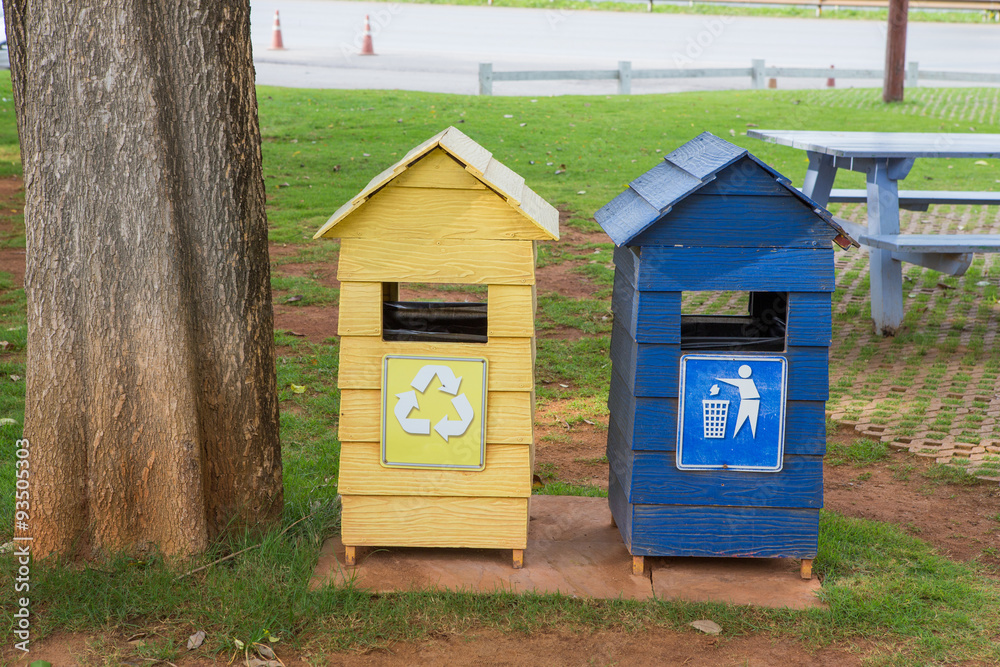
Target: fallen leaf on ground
265 651
196 640
298 388
706 626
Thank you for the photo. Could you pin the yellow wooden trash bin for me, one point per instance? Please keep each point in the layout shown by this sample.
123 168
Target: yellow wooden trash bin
437 393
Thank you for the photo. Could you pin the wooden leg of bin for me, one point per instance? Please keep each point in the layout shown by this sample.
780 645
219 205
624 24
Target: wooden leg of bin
518 559
350 556
638 565
806 569
614 524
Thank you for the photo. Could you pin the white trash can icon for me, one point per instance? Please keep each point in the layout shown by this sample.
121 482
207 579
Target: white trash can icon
715 412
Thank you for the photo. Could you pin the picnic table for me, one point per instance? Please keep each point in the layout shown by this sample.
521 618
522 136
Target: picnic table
886 158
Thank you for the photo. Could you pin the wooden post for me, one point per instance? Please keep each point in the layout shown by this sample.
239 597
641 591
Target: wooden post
895 51
350 556
886 273
757 74
485 78
638 565
912 73
819 178
624 77
518 558
806 568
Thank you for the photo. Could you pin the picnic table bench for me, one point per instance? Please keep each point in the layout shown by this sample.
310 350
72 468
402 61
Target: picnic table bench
887 158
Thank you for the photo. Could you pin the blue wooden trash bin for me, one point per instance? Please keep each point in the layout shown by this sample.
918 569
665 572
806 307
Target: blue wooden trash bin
718 428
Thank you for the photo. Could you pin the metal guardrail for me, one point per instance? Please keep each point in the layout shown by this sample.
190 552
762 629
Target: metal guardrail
758 72
990 8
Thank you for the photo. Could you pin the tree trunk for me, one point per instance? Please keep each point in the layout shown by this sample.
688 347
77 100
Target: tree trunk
151 400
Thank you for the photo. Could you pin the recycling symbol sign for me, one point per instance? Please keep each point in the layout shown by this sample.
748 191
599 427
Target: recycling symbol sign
433 412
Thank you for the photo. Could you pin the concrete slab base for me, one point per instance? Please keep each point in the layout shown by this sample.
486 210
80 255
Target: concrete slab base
573 549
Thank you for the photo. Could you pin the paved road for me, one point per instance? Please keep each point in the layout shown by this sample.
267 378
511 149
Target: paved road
438 47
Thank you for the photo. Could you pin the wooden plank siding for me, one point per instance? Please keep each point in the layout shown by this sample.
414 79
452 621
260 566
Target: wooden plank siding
652 369
428 213
809 319
421 521
747 532
651 423
507 475
472 261
745 177
621 509
740 269
779 221
650 317
655 317
511 311
508 416
438 170
360 312
510 360
626 261
653 478
726 531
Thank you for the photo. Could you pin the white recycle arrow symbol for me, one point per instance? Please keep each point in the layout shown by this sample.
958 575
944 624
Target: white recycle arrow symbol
449 383
449 428
408 401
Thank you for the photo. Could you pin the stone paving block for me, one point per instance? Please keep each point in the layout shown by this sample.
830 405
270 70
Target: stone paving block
573 549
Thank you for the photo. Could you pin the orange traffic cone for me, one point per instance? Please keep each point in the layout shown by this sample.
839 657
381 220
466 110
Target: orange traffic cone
276 43
830 82
366 43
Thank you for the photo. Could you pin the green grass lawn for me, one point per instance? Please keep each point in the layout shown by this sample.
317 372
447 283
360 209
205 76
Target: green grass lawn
885 589
829 12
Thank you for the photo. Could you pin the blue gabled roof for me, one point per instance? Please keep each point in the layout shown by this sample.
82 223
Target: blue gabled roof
682 172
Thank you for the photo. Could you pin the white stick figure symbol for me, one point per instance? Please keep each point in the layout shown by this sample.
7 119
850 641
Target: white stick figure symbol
749 399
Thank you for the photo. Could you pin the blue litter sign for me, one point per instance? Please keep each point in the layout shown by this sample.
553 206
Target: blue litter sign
731 413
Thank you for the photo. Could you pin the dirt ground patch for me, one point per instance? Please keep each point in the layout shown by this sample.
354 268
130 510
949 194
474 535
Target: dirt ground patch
652 646
315 323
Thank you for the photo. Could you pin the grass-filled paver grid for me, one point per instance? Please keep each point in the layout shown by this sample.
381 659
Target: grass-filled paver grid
933 389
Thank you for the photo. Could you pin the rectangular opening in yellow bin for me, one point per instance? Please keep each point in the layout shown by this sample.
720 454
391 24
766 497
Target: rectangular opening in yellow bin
462 318
434 412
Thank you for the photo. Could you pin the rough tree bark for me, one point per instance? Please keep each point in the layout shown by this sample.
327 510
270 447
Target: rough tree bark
151 400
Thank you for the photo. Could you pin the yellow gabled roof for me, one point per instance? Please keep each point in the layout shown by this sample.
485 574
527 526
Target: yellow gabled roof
480 163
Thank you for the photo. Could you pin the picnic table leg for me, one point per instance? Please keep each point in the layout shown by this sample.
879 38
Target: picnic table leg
819 178
886 272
